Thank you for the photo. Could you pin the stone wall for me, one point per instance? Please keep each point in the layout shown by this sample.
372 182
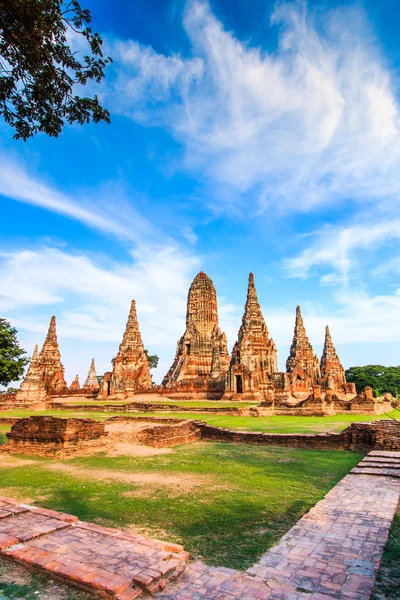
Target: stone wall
133 407
379 435
51 436
321 441
159 433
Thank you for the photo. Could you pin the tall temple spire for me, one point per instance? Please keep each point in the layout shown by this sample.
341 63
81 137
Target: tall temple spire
202 308
302 355
132 337
254 356
202 352
50 361
252 309
131 366
32 389
50 347
91 384
331 367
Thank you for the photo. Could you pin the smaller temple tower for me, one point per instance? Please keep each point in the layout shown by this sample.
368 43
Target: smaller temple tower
50 362
254 356
32 389
91 384
302 364
131 366
332 372
75 385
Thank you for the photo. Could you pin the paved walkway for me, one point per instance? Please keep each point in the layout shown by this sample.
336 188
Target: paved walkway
332 553
101 560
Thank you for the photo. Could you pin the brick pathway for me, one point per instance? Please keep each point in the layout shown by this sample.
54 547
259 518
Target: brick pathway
332 553
101 560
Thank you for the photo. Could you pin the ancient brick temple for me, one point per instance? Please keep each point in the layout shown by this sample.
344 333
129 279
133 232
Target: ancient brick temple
254 355
202 359
332 373
131 367
302 365
50 362
91 383
45 375
32 388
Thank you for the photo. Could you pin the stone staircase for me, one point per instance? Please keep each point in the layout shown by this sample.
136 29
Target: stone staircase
380 463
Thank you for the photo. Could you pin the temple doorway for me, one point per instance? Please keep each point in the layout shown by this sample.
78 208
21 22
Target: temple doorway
239 384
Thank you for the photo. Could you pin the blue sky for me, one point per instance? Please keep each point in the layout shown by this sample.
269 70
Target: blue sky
246 136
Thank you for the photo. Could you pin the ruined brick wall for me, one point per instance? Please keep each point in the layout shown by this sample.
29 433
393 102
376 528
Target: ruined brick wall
321 441
379 435
152 431
145 407
51 436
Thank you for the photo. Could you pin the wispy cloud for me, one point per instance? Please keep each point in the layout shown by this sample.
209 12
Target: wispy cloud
119 219
337 249
91 297
313 122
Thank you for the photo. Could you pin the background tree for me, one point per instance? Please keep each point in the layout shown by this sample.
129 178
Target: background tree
39 71
153 360
381 379
13 358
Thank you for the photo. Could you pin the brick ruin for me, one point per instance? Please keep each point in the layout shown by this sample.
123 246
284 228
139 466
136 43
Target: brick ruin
91 384
131 371
203 368
302 365
254 355
51 436
202 359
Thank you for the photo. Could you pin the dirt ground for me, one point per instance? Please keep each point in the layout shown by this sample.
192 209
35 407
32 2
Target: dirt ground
19 583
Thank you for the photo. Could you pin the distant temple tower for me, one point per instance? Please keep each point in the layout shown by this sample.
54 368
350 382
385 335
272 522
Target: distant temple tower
91 384
254 356
302 364
131 366
75 385
201 359
50 362
331 368
32 389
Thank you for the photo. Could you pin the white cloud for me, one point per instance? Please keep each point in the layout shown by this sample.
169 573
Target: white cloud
91 298
103 213
312 122
338 249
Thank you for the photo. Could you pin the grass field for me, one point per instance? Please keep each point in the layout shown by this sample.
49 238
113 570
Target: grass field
188 403
273 424
226 503
387 586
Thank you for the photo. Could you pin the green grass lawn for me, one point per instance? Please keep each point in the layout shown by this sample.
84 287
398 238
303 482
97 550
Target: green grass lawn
227 503
3 430
273 424
188 403
387 586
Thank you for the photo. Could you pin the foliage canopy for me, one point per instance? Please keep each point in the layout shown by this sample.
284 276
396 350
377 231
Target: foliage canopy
153 360
12 357
39 71
381 379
